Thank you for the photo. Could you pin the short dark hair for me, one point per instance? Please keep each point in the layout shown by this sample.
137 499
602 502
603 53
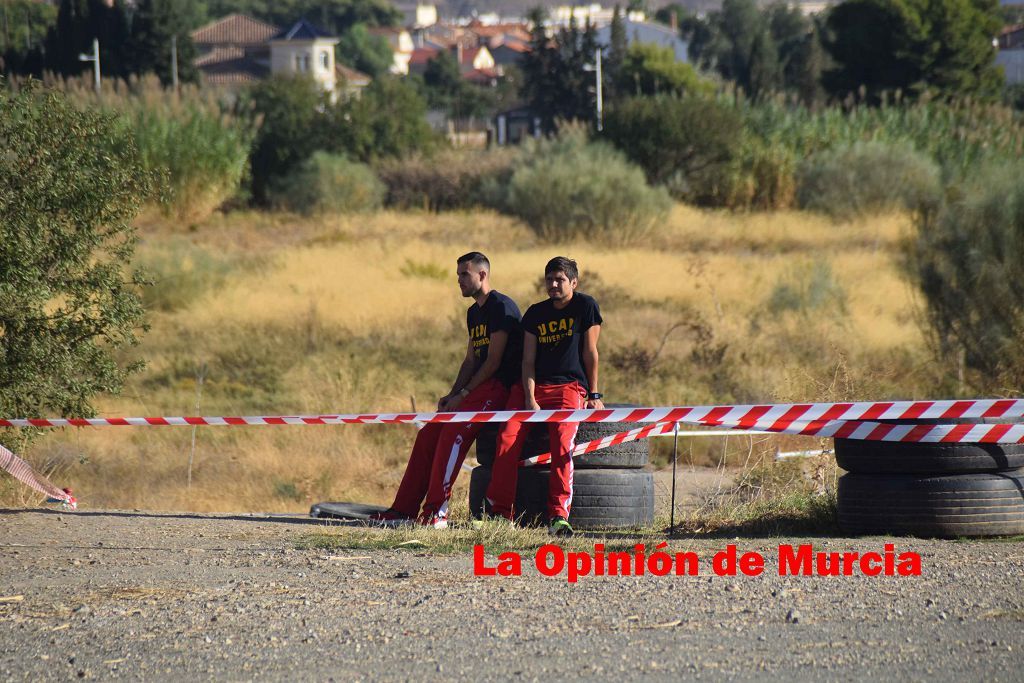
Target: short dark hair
563 264
475 258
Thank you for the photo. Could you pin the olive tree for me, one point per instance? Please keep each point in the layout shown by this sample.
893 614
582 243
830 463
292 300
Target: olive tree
70 182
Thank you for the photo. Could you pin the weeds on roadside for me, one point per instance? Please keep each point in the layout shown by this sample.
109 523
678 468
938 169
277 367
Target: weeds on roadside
495 537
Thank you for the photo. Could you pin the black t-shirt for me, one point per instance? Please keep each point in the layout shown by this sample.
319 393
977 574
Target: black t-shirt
498 314
560 338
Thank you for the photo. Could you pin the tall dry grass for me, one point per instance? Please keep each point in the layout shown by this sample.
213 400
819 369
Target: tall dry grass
359 313
191 139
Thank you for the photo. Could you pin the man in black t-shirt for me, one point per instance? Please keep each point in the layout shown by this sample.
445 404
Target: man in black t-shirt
491 366
559 372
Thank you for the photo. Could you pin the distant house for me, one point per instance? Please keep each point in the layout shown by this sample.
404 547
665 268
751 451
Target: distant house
239 49
400 41
515 125
305 49
1011 37
644 32
1012 62
475 63
233 50
509 54
351 81
417 14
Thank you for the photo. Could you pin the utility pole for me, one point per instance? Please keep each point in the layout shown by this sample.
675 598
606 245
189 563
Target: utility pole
596 68
600 98
174 62
95 59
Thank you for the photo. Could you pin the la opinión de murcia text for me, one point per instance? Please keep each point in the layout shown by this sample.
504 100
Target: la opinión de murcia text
801 560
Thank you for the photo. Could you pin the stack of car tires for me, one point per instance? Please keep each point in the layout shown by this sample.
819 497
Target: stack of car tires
931 489
610 487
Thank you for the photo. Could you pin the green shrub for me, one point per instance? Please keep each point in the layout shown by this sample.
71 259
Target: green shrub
387 120
810 288
328 183
573 189
868 177
291 127
687 143
966 259
453 179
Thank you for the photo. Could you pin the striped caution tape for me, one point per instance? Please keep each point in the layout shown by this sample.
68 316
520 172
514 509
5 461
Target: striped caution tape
856 420
863 420
23 472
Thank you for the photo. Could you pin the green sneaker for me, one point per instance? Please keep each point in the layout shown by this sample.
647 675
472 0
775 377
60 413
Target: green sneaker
559 527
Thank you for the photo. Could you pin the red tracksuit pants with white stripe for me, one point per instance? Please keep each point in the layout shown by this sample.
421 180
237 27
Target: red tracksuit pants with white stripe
501 493
438 453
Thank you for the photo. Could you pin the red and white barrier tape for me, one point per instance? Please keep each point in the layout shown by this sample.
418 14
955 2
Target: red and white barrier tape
23 472
604 442
843 420
860 420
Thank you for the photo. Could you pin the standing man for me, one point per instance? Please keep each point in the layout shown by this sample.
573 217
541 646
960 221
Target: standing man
491 366
559 372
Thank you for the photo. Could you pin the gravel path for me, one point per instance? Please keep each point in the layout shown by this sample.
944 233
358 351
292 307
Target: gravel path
123 595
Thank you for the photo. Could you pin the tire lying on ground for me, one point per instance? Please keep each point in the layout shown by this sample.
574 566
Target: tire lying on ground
634 454
344 510
854 455
989 504
613 498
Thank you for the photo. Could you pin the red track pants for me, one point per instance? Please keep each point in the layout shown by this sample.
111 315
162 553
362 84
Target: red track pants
502 491
438 453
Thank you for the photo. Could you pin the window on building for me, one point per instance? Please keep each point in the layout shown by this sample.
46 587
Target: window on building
325 60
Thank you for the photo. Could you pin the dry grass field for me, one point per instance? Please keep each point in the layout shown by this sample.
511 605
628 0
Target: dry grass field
256 313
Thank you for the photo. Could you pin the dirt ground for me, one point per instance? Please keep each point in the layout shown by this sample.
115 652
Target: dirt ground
156 596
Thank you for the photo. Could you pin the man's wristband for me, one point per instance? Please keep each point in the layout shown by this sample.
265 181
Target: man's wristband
594 396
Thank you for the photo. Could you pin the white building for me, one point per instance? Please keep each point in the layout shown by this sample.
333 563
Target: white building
305 49
417 15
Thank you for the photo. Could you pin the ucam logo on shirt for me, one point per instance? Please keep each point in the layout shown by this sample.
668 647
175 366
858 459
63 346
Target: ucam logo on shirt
478 335
555 331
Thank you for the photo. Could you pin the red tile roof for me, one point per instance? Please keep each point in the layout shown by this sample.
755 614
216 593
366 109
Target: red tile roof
232 71
422 55
351 76
520 31
484 76
235 29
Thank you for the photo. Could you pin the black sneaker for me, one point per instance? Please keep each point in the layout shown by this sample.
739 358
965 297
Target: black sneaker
559 527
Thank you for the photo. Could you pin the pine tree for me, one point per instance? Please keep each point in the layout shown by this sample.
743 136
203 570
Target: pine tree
156 25
79 22
539 66
616 55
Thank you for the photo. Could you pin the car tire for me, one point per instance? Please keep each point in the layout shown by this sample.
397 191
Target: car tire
983 504
887 457
612 498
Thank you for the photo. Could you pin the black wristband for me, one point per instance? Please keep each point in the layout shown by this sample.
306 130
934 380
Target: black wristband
594 396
